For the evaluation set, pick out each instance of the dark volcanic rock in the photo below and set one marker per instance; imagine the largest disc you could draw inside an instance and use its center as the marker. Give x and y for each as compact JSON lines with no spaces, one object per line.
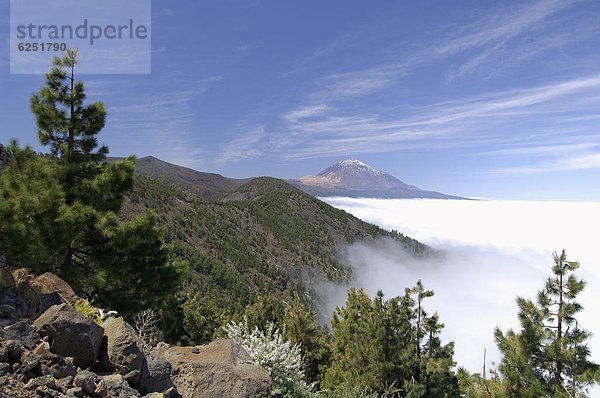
{"x":156,"y":376}
{"x":30,"y":297}
{"x":57,"y":366}
{"x":46,"y":381}
{"x":71,"y":334}
{"x":115,"y":386}
{"x":121,"y":349}
{"x":87,"y":381}
{"x":12,"y":307}
{"x":22,"y":331}
{"x":11,"y":350}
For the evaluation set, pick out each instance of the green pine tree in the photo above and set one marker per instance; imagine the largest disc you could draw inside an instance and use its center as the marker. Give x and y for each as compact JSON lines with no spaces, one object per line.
{"x":59,"y":211}
{"x":265,"y":309}
{"x":378,"y":344}
{"x":476,"y":386}
{"x":69,"y":127}
{"x":34,"y":219}
{"x":432,"y":362}
{"x":549,"y":356}
{"x":301,"y":328}
{"x":358,"y":345}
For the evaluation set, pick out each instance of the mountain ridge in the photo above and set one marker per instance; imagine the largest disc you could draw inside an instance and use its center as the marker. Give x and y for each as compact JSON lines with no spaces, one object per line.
{"x":350,"y":177}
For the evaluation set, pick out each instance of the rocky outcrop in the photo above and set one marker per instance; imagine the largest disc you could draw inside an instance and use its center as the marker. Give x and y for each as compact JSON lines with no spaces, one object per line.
{"x":39,"y":373}
{"x":7,"y":281}
{"x":28,"y":295}
{"x":220,"y":369}
{"x":71,"y":334}
{"x":121,"y":349}
{"x":26,"y":373}
{"x":64,"y":354}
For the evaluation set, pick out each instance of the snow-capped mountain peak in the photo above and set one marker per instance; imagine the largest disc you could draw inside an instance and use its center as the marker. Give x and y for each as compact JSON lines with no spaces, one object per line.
{"x":355,"y":166}
{"x":353,"y":174}
{"x":351,"y":177}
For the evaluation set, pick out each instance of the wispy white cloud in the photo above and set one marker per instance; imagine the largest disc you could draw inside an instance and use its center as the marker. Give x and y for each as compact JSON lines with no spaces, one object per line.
{"x":161,"y":121}
{"x":245,"y":146}
{"x":543,"y":150}
{"x":358,"y":83}
{"x":503,"y":25}
{"x":567,"y":162}
{"x":498,"y":40}
{"x":322,"y":52}
{"x":318,"y":131}
{"x":506,"y":36}
{"x":306,"y":112}
{"x":328,"y":121}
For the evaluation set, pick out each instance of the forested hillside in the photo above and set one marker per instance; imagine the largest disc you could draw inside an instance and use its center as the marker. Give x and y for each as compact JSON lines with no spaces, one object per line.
{"x":265,"y":238}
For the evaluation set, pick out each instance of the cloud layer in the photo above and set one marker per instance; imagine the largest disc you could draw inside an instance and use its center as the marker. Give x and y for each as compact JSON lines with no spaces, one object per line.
{"x":493,"y":251}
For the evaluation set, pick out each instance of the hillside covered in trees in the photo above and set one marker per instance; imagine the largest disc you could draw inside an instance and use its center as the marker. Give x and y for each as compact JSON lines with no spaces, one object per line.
{"x":264,"y":238}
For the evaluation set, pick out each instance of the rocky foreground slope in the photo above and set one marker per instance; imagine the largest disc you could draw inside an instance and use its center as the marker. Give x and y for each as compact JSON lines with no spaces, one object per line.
{"x":49,"y":349}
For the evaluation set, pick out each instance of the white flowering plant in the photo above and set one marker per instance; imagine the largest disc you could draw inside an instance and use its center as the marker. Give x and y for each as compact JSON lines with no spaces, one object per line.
{"x":280,"y":358}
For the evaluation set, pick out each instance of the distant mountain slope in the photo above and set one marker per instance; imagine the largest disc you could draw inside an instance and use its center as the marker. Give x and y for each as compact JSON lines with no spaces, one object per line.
{"x":353,"y":178}
{"x":205,"y":185}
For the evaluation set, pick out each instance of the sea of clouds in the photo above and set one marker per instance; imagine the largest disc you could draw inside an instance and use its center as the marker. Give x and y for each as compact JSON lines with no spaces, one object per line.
{"x":492,"y":252}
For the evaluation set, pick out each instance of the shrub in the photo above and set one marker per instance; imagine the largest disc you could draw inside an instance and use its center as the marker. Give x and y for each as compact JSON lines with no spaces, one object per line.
{"x":279,"y":357}
{"x":86,"y":308}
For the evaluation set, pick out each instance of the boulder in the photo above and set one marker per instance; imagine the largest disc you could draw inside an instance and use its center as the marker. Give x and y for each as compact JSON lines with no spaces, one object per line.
{"x":121,"y":350}
{"x":115,"y":386}
{"x":74,"y":392}
{"x":21,"y":275}
{"x":8,"y":312}
{"x":155,"y":377}
{"x":87,"y":381}
{"x":71,"y":334}
{"x":220,"y":369}
{"x":52,"y":290}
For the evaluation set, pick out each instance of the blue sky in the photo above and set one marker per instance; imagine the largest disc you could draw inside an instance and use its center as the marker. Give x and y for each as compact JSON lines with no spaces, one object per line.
{"x":487,"y":99}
